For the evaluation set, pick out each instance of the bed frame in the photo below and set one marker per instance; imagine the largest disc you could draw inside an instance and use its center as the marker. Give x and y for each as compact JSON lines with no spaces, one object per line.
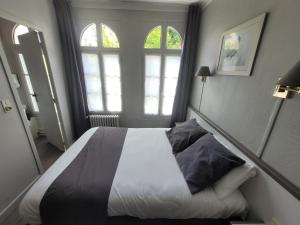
{"x":126,"y":220}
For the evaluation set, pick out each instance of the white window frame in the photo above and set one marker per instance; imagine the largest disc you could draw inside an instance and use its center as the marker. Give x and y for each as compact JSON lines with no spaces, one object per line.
{"x":163,"y":52}
{"x":99,"y":50}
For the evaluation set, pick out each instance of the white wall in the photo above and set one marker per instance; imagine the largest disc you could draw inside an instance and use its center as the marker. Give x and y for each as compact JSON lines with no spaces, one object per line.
{"x":39,"y":14}
{"x":131,"y":27}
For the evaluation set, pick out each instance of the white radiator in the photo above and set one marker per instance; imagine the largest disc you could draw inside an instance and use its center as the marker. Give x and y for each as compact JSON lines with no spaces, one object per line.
{"x":104,"y":120}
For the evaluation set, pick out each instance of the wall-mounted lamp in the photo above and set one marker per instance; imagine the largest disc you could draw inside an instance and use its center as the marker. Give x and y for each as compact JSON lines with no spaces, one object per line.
{"x":203,"y":72}
{"x":288,"y":83}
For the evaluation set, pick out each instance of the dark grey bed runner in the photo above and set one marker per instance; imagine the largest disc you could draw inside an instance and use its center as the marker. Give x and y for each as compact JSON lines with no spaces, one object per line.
{"x":79,"y":195}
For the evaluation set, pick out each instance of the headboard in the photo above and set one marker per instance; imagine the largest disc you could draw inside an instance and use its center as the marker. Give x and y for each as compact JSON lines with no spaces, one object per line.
{"x":268,"y":200}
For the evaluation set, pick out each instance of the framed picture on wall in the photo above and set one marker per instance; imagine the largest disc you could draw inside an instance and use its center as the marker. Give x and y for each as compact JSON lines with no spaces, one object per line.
{"x":239,"y":46}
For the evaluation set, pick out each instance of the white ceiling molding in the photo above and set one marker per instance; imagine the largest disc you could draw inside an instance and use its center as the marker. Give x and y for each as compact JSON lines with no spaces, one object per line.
{"x":206,"y":3}
{"x":143,"y":5}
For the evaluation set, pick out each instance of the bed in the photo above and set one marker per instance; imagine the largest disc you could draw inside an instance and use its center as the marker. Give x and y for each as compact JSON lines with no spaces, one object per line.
{"x":147,"y":183}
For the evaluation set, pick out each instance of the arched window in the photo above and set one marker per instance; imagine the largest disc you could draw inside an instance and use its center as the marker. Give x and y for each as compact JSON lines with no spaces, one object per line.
{"x":89,"y":36}
{"x":162,"y":61}
{"x":109,"y":38}
{"x":101,"y":63}
{"x":173,"y":38}
{"x":19,"y":30}
{"x":153,"y":39}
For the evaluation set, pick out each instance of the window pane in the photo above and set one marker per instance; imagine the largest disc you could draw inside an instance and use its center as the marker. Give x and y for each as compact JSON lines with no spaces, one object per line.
{"x":89,"y":36}
{"x":29,"y":86}
{"x":112,"y":82}
{"x":172,"y":64}
{"x":170,"y":87}
{"x":90,"y":64}
{"x":34,"y":104}
{"x":152,"y":87}
{"x":109,"y":37}
{"x":167,"y":105}
{"x":93,"y":84}
{"x":111,"y":65}
{"x":153,"y":39}
{"x":95,"y":102}
{"x":114,"y":103}
{"x":173,"y":39}
{"x":151,"y":105}
{"x":19,"y":30}
{"x":152,"y":82}
{"x":113,"y":85}
{"x":92,"y":81}
{"x":152,"y":65}
{"x":23,"y":65}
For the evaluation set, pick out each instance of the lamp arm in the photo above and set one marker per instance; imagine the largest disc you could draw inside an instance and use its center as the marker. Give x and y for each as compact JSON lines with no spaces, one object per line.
{"x":296,"y":89}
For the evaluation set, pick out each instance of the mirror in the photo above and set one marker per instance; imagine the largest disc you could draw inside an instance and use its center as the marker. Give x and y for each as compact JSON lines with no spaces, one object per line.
{"x":31,"y":76}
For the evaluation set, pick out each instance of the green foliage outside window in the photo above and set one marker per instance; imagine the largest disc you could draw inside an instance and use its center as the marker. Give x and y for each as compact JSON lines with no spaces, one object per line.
{"x":153,"y":39}
{"x":173,"y":39}
{"x":109,"y":38}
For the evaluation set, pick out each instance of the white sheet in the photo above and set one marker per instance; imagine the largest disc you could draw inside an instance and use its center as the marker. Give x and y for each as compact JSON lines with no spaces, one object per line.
{"x":148,"y":183}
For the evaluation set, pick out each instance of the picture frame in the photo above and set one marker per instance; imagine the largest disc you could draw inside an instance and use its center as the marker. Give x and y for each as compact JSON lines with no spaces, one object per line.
{"x":239,"y":46}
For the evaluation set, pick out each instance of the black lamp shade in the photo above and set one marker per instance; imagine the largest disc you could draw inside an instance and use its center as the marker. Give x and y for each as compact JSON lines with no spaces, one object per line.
{"x":292,"y":78}
{"x":203,"y":71}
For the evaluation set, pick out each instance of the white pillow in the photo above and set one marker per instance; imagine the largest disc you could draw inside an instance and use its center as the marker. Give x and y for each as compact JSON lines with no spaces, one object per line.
{"x":232,"y":180}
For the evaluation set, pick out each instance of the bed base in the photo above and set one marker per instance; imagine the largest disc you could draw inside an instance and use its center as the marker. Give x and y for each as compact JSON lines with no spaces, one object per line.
{"x":127,"y":220}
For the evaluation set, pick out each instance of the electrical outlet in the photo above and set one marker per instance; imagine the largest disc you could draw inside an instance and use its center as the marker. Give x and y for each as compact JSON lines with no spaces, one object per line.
{"x":274,"y":222}
{"x":6,"y":105}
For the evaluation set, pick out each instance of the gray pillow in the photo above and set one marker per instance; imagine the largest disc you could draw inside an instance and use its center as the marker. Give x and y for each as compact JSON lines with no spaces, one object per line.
{"x":182,"y":136}
{"x":191,"y":122}
{"x":205,"y":162}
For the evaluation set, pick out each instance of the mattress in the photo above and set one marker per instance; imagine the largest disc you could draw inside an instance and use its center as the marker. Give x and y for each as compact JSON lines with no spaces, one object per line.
{"x":148,"y":183}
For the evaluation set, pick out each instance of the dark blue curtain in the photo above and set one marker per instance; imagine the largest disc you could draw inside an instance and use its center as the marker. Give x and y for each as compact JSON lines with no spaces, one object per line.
{"x":73,"y":66}
{"x":187,"y":65}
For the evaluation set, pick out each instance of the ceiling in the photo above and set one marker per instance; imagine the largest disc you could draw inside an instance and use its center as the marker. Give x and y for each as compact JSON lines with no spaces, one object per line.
{"x":142,"y":1}
{"x":149,"y":5}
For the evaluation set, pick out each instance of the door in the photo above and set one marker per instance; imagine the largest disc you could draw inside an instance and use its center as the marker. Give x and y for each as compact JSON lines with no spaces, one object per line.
{"x":37,"y":67}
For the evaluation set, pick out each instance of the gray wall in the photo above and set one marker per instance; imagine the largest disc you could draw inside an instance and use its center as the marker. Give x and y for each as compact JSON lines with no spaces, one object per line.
{"x":39,"y":14}
{"x":242,"y":105}
{"x":131,"y":27}
{"x":268,"y":200}
{"x":17,"y":163}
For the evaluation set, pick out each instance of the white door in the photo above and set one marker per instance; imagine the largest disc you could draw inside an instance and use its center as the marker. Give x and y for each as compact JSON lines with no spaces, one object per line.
{"x":39,"y":75}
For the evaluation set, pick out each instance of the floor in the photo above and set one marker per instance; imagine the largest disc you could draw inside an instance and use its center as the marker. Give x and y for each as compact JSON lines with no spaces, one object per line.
{"x":48,"y":153}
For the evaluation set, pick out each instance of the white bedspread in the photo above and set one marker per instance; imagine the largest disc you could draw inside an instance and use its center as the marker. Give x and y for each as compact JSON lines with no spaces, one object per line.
{"x":148,"y":183}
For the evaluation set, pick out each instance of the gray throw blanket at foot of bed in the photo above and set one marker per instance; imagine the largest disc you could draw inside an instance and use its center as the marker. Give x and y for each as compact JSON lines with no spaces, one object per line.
{"x":79,"y":195}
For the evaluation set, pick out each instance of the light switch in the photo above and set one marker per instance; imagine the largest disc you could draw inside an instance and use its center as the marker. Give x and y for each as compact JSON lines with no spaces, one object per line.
{"x":6,"y":105}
